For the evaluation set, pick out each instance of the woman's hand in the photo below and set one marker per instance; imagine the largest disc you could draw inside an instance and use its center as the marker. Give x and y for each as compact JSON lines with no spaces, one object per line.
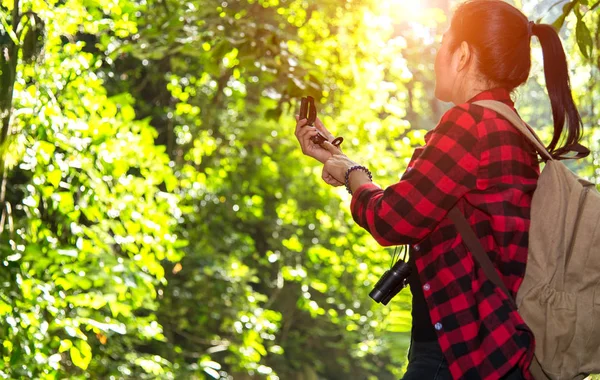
{"x":328,"y":178}
{"x":336,"y":166}
{"x":304,"y":133}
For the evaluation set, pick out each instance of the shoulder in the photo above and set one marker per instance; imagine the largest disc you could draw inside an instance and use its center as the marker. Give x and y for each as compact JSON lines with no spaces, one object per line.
{"x":473,"y":128}
{"x":458,"y":124}
{"x":470,"y":114}
{"x":459,"y":115}
{"x":465,"y":114}
{"x":494,"y":132}
{"x":477,"y":120}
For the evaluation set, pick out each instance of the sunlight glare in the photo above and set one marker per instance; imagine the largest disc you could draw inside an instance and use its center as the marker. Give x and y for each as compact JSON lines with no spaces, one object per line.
{"x":415,"y":15}
{"x":403,"y":10}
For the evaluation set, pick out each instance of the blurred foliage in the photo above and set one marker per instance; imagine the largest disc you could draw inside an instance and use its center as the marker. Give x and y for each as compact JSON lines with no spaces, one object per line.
{"x":158,"y":219}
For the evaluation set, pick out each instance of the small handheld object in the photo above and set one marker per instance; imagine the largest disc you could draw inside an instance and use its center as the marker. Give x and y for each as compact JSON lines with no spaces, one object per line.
{"x":309,"y":111}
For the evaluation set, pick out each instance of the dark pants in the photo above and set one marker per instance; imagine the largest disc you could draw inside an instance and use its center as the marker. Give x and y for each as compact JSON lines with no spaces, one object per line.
{"x":426,"y":362}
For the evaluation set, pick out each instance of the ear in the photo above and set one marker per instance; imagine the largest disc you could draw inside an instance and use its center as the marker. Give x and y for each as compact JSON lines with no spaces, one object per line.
{"x":464,"y":56}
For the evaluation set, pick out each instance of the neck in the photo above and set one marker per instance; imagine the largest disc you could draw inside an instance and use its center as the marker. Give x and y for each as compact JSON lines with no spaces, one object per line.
{"x":464,"y":96}
{"x":471,"y":86}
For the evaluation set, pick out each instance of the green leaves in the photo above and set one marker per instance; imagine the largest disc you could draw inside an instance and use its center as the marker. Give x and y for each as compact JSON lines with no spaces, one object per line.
{"x":164,"y":223}
{"x":94,"y":213}
{"x":583,"y":35}
{"x":567,"y":8}
{"x":584,"y":39}
{"x":81,"y":354}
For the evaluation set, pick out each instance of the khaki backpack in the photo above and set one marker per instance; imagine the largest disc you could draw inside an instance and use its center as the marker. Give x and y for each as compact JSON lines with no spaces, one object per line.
{"x":559,"y":298}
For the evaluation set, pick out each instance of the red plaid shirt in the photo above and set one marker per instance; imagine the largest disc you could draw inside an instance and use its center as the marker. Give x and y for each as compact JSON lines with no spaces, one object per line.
{"x":478,"y":160}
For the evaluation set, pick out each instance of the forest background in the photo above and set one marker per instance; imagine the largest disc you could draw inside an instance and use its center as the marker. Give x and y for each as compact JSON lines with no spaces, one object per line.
{"x":158,"y":219}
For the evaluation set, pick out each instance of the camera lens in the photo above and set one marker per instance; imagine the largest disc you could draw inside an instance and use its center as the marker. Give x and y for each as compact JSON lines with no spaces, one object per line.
{"x":391,"y":283}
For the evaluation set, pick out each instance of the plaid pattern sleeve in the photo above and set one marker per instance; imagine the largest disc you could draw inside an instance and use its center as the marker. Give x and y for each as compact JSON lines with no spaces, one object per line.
{"x":444,"y":171}
{"x":477,"y":160}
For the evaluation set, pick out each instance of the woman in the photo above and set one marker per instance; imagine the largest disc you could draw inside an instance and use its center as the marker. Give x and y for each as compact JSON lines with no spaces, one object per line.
{"x":463,"y":326}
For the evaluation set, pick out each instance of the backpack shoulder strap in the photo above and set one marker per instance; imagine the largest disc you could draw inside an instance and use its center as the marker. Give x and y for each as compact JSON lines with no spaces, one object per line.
{"x":477,"y":250}
{"x":515,"y":120}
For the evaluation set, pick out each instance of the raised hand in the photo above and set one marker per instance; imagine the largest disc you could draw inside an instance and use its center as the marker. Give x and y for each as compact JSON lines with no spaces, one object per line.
{"x":304,"y":133}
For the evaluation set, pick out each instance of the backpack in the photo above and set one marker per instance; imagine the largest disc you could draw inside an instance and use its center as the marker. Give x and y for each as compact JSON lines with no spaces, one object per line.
{"x":559,"y":298}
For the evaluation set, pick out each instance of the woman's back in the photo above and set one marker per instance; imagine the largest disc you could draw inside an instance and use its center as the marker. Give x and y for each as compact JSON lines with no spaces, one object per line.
{"x":479,"y":161}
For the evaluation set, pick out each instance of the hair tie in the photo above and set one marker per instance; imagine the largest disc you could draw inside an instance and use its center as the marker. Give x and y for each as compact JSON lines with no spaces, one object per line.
{"x":530,"y":28}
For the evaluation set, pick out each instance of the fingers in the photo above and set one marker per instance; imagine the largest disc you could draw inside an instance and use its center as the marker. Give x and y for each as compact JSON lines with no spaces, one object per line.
{"x":305,"y":134}
{"x":329,"y":179}
{"x":302,"y":130}
{"x":331,"y":148}
{"x":336,"y":183}
{"x":321,"y":127}
{"x":299,"y":125}
{"x":333,"y":182}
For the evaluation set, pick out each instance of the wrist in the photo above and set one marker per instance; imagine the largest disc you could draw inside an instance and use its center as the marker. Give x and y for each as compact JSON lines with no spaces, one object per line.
{"x":356,"y":176}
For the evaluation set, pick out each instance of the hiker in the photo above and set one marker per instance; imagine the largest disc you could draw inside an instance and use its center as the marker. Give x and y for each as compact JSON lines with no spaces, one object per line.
{"x":464,"y":326}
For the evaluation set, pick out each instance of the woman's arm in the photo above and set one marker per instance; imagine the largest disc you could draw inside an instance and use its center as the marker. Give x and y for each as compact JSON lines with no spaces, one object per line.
{"x":356,"y":179}
{"x":406,"y":212}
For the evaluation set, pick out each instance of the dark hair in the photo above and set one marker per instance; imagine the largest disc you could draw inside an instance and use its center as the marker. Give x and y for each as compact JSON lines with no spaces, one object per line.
{"x":500,"y":35}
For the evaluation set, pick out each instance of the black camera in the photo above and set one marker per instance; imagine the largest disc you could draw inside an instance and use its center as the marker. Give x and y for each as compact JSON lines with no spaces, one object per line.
{"x":392,"y":281}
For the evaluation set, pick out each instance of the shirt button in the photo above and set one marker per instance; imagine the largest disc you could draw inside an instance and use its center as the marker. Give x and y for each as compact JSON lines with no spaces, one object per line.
{"x":438,"y":326}
{"x":417,"y":247}
{"x":426,"y":287}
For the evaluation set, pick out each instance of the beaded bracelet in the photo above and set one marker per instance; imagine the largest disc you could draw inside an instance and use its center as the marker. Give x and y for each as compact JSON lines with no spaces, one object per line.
{"x":356,"y":167}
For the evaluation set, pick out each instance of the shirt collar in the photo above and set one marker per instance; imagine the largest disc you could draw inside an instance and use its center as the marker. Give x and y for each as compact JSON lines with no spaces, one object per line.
{"x":499,"y":93}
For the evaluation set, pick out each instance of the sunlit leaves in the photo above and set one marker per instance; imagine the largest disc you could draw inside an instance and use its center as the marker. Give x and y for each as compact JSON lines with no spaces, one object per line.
{"x":147,"y":130}
{"x":583,"y":35}
{"x":93,"y":221}
{"x":81,"y":354}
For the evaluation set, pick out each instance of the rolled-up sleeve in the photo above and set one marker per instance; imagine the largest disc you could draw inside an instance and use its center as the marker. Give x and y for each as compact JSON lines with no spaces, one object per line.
{"x":446,"y":169}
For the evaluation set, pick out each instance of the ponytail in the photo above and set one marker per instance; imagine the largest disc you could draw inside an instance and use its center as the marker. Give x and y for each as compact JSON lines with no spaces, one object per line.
{"x":559,"y":91}
{"x":500,"y":34}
